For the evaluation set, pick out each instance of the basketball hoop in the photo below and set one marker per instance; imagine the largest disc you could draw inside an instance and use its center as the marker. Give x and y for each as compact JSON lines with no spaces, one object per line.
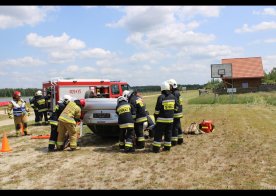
{"x":221,"y":75}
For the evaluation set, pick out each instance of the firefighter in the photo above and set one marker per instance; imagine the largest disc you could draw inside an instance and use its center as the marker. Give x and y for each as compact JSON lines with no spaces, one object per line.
{"x":42,"y":104}
{"x":18,"y":110}
{"x":126,"y":123}
{"x":140,"y":117}
{"x":67,"y":122}
{"x":37,"y":114}
{"x":48,"y":96}
{"x":177,"y":133}
{"x":164,"y":111}
{"x":54,"y":121}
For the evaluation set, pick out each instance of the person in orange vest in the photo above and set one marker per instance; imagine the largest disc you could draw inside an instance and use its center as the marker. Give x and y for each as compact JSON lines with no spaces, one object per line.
{"x":18,"y":110}
{"x":67,"y":122}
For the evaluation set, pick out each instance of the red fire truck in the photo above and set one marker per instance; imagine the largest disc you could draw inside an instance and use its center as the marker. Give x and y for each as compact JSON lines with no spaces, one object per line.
{"x":82,"y":88}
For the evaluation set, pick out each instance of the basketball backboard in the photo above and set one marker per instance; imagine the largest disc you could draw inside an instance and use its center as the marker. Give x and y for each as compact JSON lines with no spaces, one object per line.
{"x":221,"y":70}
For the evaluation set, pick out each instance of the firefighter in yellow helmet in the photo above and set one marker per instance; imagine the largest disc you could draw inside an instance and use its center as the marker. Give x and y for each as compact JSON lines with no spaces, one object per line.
{"x":18,"y":110}
{"x":67,"y":122}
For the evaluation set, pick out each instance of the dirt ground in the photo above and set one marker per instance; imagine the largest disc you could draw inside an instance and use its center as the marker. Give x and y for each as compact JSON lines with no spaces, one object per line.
{"x":239,"y":154}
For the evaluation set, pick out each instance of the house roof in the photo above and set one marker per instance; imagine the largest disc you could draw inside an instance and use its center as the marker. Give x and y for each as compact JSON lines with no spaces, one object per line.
{"x":250,"y":67}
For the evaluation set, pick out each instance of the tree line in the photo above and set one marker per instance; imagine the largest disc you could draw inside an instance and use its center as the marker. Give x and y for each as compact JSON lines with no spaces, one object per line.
{"x":27,"y":92}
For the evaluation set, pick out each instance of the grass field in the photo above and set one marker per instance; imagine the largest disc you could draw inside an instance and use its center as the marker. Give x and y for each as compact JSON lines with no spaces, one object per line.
{"x":239,"y":154}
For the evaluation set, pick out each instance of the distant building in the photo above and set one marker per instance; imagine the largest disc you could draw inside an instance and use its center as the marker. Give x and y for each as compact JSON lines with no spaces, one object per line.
{"x":247,"y":73}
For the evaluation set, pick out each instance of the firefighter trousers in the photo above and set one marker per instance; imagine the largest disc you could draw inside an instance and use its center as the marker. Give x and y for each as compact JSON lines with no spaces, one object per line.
{"x":160,"y":130}
{"x":63,"y":127}
{"x":45,"y":116}
{"x":139,"y":132}
{"x":53,"y":138}
{"x":177,"y":133}
{"x":18,"y":120}
{"x":38,"y":117}
{"x":126,"y":137}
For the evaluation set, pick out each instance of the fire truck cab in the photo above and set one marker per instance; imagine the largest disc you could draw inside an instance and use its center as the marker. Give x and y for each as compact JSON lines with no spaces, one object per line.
{"x":56,"y":88}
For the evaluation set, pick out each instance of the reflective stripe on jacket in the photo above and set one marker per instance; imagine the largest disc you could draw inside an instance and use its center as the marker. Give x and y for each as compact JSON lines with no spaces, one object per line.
{"x":165,"y":106}
{"x":18,"y":108}
{"x":123,"y":111}
{"x":139,"y":107}
{"x":178,"y":103}
{"x":71,"y":112}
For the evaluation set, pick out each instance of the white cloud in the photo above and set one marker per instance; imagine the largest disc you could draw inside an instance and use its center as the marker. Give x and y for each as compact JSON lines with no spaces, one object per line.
{"x":185,"y":12}
{"x":161,"y":26}
{"x":266,"y":11}
{"x":210,"y":52}
{"x":59,"y":56}
{"x":145,"y":18}
{"x":175,"y":37}
{"x":269,"y":41}
{"x":23,"y":62}
{"x":259,"y":27}
{"x":60,"y":49}
{"x":62,"y":42}
{"x":14,"y":16}
{"x":96,"y":53}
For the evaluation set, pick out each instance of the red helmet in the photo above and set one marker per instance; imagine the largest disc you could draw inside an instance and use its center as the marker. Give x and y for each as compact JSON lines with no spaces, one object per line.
{"x":16,"y":94}
{"x":82,"y":102}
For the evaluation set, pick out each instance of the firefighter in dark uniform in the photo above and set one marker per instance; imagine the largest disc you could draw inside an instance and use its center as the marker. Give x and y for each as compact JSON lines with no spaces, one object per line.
{"x":37,"y":114}
{"x":140,"y":118}
{"x":125,"y":111}
{"x":49,"y":100}
{"x":54,"y":121}
{"x":42,"y":104}
{"x":177,"y":133}
{"x":164,"y":111}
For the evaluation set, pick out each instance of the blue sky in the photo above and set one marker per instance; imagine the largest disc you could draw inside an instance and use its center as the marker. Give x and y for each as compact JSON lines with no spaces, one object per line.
{"x":143,"y":45}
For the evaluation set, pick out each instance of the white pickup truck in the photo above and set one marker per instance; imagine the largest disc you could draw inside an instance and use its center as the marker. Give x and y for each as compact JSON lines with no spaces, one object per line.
{"x":100,"y":116}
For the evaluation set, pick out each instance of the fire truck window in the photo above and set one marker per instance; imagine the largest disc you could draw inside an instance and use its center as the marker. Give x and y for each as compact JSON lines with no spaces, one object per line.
{"x":115,"y":89}
{"x":125,"y":87}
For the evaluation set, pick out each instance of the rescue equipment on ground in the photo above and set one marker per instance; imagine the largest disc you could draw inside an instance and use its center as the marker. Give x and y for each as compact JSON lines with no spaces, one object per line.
{"x":41,"y":136}
{"x":206,"y":126}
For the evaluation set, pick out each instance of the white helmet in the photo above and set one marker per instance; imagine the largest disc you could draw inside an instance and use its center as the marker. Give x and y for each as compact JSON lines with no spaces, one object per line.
{"x":127,"y":93}
{"x":165,"y":86}
{"x":121,"y":98}
{"x":173,"y":83}
{"x":39,"y":93}
{"x":66,"y":98}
